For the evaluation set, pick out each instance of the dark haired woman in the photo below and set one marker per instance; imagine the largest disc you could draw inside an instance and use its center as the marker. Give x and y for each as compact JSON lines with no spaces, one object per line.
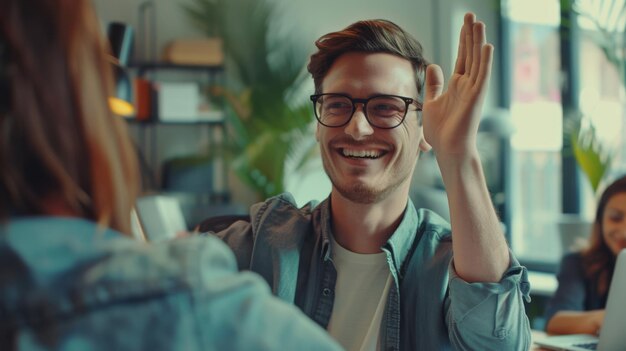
{"x":585,"y":276}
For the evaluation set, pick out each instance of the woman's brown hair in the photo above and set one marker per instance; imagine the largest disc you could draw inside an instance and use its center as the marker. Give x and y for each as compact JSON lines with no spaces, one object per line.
{"x":59,"y":141}
{"x":598,"y":259}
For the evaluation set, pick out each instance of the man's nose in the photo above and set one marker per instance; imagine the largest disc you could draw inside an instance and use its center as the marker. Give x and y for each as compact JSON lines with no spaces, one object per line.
{"x":359,"y":127}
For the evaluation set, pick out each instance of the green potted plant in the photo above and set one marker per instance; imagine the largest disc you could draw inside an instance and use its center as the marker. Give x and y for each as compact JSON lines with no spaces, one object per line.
{"x":265,"y":73}
{"x":592,"y":154}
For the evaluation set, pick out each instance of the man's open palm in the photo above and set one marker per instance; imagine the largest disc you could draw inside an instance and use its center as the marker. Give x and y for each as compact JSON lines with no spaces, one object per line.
{"x":451,"y":119}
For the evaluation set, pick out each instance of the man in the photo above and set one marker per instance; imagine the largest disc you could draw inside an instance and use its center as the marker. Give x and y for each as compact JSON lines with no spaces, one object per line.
{"x":71,"y":276}
{"x":365,"y":264}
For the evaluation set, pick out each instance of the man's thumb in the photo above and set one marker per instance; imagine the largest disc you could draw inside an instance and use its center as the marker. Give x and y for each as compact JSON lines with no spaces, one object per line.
{"x":434,"y":82}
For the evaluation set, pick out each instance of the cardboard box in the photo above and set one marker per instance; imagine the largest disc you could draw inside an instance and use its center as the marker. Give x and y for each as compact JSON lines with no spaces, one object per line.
{"x":206,"y":52}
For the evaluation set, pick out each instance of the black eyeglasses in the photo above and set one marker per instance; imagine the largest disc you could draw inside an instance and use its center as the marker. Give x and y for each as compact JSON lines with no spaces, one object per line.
{"x":381,"y":111}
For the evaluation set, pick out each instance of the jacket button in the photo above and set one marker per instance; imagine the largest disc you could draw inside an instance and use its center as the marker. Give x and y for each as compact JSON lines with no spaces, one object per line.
{"x":326,"y":292}
{"x":501,"y":333}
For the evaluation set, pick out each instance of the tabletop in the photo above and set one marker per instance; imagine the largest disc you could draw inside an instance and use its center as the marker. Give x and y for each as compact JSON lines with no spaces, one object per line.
{"x":537,"y":334}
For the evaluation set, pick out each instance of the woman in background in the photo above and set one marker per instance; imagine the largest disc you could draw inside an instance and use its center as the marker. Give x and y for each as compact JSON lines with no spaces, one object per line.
{"x":71,"y":278}
{"x":585,"y":276}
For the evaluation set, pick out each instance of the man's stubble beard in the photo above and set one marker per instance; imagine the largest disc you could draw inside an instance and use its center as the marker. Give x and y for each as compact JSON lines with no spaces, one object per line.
{"x":361,"y":193}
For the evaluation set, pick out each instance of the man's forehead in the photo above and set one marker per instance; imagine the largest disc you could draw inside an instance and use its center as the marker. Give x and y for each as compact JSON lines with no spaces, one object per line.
{"x":361,"y":70}
{"x":371,"y":58}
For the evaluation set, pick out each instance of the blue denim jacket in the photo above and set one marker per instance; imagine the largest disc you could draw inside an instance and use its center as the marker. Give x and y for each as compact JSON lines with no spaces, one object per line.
{"x":428,"y":308}
{"x":66,"y":284}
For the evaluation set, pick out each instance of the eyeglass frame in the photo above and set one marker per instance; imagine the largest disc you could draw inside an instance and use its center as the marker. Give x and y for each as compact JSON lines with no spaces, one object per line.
{"x":407,"y":100}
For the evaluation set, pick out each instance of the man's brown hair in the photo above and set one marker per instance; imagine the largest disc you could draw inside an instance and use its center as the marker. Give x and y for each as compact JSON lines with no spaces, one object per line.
{"x":370,"y":36}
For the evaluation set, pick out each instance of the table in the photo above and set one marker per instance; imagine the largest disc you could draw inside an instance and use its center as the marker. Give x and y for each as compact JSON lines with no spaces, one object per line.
{"x":537,"y":334}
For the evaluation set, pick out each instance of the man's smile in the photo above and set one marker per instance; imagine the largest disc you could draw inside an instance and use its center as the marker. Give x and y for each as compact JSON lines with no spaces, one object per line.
{"x":362,"y":153}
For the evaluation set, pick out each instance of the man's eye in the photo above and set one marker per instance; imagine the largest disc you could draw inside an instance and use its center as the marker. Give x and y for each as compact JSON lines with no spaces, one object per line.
{"x":386,"y":110}
{"x":385,"y":107}
{"x":338,"y":104}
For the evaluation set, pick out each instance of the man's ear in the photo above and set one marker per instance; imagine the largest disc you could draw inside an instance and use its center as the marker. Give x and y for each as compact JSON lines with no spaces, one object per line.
{"x":423,"y":145}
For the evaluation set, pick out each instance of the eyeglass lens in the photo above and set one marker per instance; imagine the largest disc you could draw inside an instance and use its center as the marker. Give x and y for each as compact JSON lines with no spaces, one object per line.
{"x":381,"y":111}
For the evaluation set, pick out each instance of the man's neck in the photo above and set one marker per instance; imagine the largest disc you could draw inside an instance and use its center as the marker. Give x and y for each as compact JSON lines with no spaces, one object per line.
{"x":365,"y":228}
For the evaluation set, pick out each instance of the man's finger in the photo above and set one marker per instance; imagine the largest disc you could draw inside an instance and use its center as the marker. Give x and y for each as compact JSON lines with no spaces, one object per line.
{"x":468,"y":26}
{"x":459,"y":67}
{"x":485,"y":65}
{"x":480,"y":39}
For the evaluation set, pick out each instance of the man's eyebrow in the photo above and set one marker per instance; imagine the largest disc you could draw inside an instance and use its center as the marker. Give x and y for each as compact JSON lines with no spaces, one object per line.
{"x":368,"y":96}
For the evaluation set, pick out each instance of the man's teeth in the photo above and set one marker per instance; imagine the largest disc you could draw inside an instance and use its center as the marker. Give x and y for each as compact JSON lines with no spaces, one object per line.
{"x":361,"y":153}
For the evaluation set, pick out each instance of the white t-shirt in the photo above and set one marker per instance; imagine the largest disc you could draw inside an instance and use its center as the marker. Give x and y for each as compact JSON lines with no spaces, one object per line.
{"x":361,"y":290}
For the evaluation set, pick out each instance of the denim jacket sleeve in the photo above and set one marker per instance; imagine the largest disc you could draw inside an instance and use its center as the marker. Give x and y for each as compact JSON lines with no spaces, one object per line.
{"x":238,"y":310}
{"x":489,"y":316}
{"x":70,"y":284}
{"x":240,"y":238}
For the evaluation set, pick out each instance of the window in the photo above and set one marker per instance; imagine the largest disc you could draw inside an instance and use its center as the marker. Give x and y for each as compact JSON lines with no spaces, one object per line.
{"x":534,"y":78}
{"x":601,"y":98}
{"x":536,"y":115}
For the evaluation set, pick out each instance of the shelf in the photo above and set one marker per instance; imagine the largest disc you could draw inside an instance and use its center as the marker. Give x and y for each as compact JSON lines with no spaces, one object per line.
{"x":148,"y":66}
{"x":210,"y":117}
{"x":176,"y":123}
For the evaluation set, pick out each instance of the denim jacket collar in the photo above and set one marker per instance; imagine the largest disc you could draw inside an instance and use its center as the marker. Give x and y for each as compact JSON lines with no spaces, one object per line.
{"x":326,"y":232}
{"x":399,"y":244}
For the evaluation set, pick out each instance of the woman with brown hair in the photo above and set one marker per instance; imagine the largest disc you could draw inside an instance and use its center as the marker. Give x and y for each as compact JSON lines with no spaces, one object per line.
{"x":71,"y":276}
{"x":62,"y":152}
{"x":584,"y":278}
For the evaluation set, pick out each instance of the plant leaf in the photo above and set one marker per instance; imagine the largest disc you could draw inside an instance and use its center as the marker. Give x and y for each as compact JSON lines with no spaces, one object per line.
{"x":267,"y":121}
{"x":593,"y":158}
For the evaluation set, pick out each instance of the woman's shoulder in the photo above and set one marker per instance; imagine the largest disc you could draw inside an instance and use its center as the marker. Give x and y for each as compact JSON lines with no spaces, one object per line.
{"x":572,"y":264}
{"x":572,"y":257}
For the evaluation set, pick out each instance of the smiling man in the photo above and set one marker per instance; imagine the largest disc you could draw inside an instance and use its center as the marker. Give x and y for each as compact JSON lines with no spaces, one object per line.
{"x":365,"y":264}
